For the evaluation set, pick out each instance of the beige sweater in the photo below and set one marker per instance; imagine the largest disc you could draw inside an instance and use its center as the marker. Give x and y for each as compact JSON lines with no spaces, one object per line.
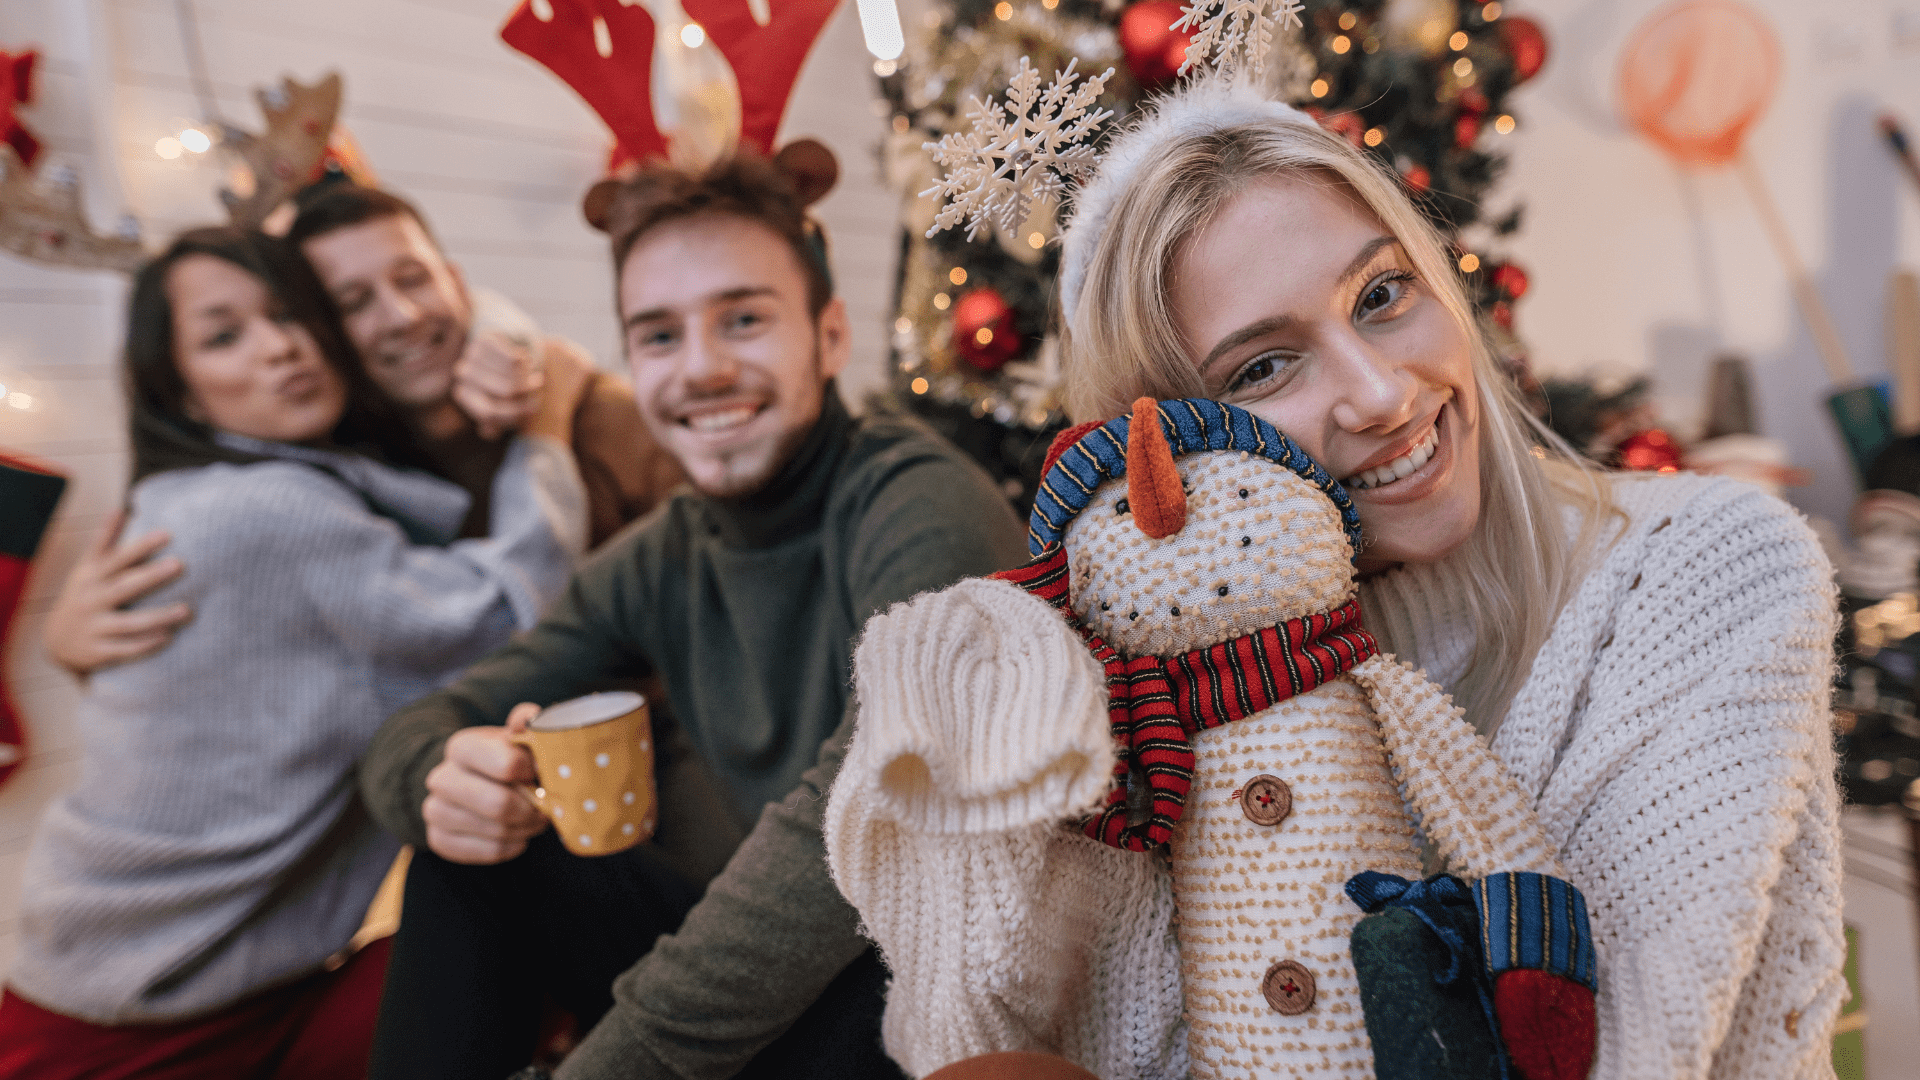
{"x":1673,"y":735}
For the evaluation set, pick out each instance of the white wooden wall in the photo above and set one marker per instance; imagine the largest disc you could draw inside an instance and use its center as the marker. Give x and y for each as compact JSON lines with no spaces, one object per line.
{"x":493,"y":148}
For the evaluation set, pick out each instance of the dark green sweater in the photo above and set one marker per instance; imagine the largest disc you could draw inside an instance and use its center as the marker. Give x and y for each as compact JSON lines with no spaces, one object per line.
{"x":749,"y":609}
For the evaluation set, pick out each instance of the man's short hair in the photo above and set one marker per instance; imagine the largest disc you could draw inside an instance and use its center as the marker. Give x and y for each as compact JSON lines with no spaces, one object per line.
{"x":745,"y":186}
{"x":326,"y":207}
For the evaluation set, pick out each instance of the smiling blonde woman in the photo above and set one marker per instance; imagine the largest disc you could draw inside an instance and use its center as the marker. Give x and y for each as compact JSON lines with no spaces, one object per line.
{"x":1649,"y":656}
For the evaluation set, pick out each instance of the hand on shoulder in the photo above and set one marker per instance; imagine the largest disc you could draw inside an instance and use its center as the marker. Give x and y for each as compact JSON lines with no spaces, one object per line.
{"x":88,"y":627}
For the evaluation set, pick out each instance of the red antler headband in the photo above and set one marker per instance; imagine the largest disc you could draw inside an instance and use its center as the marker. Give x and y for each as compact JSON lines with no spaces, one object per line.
{"x":606,"y":51}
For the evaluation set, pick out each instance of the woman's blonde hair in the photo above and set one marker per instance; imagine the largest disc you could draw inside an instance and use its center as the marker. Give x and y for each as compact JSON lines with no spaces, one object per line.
{"x":1524,"y":557}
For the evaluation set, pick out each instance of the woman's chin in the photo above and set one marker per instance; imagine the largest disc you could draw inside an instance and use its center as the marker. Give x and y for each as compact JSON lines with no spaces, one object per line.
{"x":1426,"y":535}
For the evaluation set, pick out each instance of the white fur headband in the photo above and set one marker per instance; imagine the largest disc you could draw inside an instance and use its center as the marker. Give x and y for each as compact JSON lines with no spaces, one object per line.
{"x":1200,"y":108}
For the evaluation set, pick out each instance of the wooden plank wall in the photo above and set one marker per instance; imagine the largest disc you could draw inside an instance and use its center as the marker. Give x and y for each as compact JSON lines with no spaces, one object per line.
{"x":494,"y":149}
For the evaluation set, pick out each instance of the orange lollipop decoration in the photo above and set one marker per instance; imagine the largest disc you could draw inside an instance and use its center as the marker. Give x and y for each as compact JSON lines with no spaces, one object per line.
{"x":1694,"y":78}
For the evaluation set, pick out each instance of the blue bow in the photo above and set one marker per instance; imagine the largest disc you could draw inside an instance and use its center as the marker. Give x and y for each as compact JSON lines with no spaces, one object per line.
{"x":1429,"y":900}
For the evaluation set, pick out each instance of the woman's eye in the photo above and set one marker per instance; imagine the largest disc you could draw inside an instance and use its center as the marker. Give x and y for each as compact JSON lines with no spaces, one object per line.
{"x":222,"y":339}
{"x":1258,"y":370}
{"x":1385,"y":292}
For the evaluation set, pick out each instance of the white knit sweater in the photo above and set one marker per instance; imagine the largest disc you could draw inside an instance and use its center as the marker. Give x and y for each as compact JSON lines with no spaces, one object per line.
{"x":1675,"y":735}
{"x":1673,"y":732}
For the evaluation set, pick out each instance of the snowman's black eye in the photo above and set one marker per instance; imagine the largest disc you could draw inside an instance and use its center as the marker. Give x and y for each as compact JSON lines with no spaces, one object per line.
{"x":1246,"y":541}
{"x":1243,"y":493}
{"x":1120,"y":507}
{"x":1104,"y":606}
{"x":1133,"y":614}
{"x":1176,"y":611}
{"x":1223,"y":590}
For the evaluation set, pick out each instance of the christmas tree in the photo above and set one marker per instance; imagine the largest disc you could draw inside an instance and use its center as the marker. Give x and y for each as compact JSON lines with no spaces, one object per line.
{"x":1420,"y":84}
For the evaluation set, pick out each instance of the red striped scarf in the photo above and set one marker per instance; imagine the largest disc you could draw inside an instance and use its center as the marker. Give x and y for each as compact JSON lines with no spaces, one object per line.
{"x":1156,"y":704}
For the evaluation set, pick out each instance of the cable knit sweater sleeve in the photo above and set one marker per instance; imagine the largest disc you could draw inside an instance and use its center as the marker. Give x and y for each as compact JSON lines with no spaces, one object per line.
{"x":1675,"y":731}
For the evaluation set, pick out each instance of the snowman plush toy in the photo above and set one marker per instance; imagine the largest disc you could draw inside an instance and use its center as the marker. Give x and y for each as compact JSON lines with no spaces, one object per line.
{"x":1132,"y":803}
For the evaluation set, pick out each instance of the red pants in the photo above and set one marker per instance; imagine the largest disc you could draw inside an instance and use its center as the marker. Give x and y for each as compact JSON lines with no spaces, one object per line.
{"x":320,"y":1028}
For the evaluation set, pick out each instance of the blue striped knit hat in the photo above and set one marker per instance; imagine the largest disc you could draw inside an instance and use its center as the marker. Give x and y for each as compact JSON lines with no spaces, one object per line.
{"x":1092,"y":454}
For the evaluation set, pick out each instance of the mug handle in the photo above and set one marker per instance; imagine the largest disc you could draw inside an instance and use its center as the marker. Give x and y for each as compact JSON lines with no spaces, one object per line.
{"x":535,"y":793}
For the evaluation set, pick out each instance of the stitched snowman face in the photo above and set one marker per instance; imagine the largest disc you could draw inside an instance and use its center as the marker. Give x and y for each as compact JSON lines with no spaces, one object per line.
{"x":1260,"y":546}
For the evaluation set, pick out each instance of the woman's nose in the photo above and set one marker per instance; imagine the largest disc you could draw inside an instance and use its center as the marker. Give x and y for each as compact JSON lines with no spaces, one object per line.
{"x":1374,"y":393}
{"x":277,"y":345}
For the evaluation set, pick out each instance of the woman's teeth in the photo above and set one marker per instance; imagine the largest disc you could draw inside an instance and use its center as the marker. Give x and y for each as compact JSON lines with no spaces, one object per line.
{"x":1398,"y":468}
{"x":720,"y":421}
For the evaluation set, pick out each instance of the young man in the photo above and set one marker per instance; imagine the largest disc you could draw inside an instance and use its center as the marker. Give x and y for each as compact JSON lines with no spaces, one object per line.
{"x":464,"y":386}
{"x":746,"y":596}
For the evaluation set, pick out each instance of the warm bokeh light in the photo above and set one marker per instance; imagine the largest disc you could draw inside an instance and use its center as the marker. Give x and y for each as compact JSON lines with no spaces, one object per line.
{"x":902,"y":325}
{"x":1469,"y":263}
{"x":1036,"y":241}
{"x":1348,"y":20}
{"x":941,"y":300}
{"x":169,"y":148}
{"x":957,"y":275}
{"x":1374,"y":137}
{"x":884,"y":68}
{"x":1319,"y":88}
{"x":195,"y":140}
{"x":693,"y":35}
{"x":1503,"y":124}
{"x":1341,"y":43}
{"x":1003,"y":11}
{"x":1490,"y":12}
{"x":1458,"y":41}
{"x":983,"y":336}
{"x":1463,"y":67}
{"x":919,"y":386}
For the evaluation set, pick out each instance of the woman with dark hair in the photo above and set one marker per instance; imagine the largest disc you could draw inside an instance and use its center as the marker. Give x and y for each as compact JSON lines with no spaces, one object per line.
{"x":188,"y":907}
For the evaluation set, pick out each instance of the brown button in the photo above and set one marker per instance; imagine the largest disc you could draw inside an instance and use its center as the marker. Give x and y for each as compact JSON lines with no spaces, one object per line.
{"x":1266,"y":800}
{"x":1288,"y":987}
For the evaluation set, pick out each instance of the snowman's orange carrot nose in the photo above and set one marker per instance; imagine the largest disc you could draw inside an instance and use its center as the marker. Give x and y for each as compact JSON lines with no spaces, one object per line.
{"x":1153,"y":484}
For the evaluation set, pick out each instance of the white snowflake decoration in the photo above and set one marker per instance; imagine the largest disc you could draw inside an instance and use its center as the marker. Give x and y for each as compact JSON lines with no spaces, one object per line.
{"x":1237,"y":33}
{"x":1017,"y":151}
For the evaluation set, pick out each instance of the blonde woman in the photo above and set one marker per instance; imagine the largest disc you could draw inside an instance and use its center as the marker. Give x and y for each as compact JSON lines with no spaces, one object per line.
{"x":1648,"y":655}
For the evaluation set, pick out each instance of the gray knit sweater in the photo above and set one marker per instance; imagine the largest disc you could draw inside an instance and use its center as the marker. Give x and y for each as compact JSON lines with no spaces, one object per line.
{"x":215,"y":844}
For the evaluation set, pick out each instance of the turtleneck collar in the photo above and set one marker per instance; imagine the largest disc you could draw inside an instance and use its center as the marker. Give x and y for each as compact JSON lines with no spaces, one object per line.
{"x":794,"y":500}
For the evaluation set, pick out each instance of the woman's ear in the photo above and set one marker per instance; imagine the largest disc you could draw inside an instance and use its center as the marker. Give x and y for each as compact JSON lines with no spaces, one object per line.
{"x":811,"y":166}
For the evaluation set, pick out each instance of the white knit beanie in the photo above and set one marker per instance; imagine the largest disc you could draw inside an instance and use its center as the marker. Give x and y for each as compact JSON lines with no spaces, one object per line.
{"x":1198,"y":108}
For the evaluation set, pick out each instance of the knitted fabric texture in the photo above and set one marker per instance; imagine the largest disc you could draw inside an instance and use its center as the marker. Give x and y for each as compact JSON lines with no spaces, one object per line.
{"x":993,"y":942}
{"x":1675,"y":739}
{"x":1191,"y":425}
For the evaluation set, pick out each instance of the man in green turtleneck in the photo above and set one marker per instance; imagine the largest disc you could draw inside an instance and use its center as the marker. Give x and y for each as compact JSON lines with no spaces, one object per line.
{"x":745,"y":596}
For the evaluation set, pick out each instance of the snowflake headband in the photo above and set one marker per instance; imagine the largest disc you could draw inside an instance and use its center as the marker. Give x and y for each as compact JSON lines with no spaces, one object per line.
{"x":1198,"y":110}
{"x":1030,"y":145}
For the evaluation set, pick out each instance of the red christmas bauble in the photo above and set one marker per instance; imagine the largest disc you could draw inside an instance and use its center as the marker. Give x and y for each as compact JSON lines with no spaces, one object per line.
{"x":1526,"y":43}
{"x":1466,"y":128}
{"x":1473,"y":101}
{"x":983,"y":330}
{"x":1418,"y":178}
{"x":1652,"y":450}
{"x":1154,"y":50}
{"x":1503,"y":314}
{"x":1346,"y":124}
{"x":1511,"y":280}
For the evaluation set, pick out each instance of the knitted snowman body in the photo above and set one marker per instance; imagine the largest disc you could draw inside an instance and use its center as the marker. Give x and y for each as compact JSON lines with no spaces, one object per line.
{"x":1287,"y":803}
{"x":1264,"y":756}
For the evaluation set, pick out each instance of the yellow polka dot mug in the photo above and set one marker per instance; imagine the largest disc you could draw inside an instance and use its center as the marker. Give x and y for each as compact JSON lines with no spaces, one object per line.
{"x":594,"y":757}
